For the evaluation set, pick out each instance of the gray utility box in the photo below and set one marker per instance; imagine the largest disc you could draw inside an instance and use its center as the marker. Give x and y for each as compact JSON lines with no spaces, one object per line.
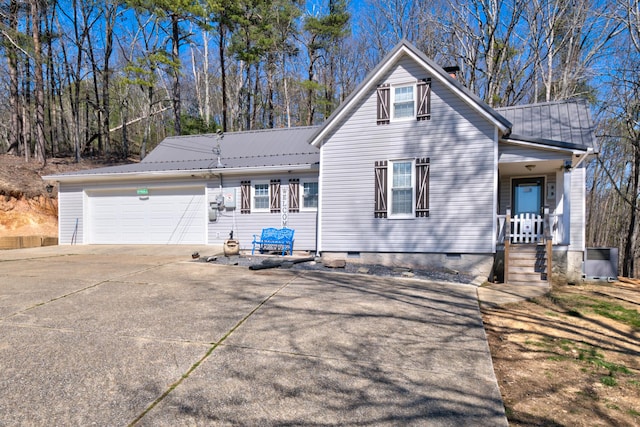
{"x":601,"y":263}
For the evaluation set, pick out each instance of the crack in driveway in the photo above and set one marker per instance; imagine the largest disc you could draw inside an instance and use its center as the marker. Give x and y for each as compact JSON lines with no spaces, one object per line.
{"x":210,"y":351}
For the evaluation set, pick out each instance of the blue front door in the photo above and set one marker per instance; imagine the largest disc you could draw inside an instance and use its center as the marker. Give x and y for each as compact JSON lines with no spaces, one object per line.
{"x":527,"y":196}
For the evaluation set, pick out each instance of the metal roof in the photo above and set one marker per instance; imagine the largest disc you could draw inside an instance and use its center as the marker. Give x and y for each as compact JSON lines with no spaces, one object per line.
{"x":251,"y":149}
{"x":552,"y":123}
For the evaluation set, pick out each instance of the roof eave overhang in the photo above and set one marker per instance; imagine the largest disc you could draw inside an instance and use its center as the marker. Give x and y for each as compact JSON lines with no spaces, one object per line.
{"x":316,"y":139}
{"x":548,"y":145}
{"x":176,"y":174}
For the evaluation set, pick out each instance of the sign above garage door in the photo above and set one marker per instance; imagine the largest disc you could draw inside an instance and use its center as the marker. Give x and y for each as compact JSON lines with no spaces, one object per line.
{"x":164,"y":215}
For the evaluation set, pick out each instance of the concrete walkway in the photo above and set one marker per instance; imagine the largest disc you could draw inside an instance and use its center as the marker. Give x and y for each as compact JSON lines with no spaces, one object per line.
{"x":109,"y":335}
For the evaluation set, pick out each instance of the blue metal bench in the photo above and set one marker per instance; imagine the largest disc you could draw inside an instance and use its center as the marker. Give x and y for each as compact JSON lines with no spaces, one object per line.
{"x":274,"y":239}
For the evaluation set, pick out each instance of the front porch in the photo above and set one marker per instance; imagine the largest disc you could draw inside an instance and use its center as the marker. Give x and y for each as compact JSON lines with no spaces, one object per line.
{"x":533,"y":219}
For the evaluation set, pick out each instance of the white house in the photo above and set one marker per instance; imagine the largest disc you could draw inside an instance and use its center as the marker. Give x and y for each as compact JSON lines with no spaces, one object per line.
{"x":411,"y":169}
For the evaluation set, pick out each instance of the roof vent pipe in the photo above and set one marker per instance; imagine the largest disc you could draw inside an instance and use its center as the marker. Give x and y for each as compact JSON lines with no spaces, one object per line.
{"x":217,"y":150}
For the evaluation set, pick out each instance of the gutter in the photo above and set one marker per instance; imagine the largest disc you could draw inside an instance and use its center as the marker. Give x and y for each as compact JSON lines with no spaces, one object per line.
{"x":189,"y":173}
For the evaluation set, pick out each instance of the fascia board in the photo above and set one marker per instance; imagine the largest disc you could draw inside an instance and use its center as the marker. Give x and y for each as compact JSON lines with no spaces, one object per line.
{"x":538,"y":146}
{"x":152,"y":175}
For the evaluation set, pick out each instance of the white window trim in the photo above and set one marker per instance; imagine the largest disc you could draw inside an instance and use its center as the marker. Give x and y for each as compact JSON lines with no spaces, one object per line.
{"x":392,"y":102}
{"x":301,"y":194}
{"x":253,"y":196}
{"x":390,"y":213}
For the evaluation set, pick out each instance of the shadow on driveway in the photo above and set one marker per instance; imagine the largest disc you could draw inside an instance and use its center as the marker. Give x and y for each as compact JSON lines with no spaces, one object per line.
{"x":114,"y":336}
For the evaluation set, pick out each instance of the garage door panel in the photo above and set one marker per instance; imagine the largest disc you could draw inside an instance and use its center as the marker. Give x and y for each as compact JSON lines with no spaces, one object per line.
{"x":169,"y":215}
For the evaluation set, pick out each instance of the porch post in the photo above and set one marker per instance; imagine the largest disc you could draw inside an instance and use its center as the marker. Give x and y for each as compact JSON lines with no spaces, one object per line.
{"x":548,"y":241}
{"x":507,"y":243}
{"x":566,"y":208}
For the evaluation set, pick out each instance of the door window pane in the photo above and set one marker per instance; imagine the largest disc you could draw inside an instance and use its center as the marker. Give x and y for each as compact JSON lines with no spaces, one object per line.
{"x":527,"y":197}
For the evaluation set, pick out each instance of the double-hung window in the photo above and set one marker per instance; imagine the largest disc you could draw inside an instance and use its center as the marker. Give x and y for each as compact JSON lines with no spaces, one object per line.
{"x":403,"y":102}
{"x":261,"y":197}
{"x":402,"y":191}
{"x":401,"y":188}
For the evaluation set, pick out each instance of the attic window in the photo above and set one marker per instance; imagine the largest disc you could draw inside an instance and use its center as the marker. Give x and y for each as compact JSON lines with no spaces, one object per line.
{"x":404,"y":102}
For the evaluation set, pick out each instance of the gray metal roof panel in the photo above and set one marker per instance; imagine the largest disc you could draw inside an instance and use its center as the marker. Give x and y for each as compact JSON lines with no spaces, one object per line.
{"x":564,"y":121}
{"x":251,"y":149}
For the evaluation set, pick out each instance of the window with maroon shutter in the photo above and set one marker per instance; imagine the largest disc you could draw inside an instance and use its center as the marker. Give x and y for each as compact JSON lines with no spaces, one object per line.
{"x":383,"y":185}
{"x":274,"y":192}
{"x":380,"y":210}
{"x":424,"y":99}
{"x":384,"y":101}
{"x":245,"y":197}
{"x":294,"y":195}
{"x":422,"y":187}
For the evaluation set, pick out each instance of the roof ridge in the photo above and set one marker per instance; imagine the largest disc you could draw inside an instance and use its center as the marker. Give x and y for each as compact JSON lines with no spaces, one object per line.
{"x":244,"y":132}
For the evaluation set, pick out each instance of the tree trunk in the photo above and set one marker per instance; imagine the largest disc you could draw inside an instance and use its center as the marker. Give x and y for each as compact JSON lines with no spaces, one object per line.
{"x":223,"y":76}
{"x":175,"y":35}
{"x":40,"y":145}
{"x":15,"y":130}
{"x":628,"y":263}
{"x":110,"y":17}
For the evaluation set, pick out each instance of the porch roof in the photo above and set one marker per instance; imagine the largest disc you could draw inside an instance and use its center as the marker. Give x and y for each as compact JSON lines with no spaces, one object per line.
{"x":561,"y":124}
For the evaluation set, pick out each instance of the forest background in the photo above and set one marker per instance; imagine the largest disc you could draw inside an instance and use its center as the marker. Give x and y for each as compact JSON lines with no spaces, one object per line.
{"x":109,"y":79}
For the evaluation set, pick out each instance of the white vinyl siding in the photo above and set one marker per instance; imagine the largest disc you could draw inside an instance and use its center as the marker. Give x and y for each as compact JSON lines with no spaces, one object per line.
{"x":578,"y":209}
{"x":70,"y":214}
{"x":460,"y":144}
{"x":246,"y":225}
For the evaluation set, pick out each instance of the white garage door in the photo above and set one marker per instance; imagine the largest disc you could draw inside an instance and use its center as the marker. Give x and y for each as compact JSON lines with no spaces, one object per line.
{"x":165,"y":215}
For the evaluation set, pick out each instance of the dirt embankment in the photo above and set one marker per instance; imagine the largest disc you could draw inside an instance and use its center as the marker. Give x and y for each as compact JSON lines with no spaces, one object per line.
{"x":26,"y":207}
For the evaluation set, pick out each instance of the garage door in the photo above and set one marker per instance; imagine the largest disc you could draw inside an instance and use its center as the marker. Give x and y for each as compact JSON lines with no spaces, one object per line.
{"x":162,"y":216}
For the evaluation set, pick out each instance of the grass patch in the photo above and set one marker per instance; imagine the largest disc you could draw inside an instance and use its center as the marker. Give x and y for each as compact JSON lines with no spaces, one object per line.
{"x":575,"y":305}
{"x":634,"y":413}
{"x":617,"y":312}
{"x":558,"y":358}
{"x":609,"y":381}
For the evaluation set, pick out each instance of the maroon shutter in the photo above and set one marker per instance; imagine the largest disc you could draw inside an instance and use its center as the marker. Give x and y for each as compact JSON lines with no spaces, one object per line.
{"x":380,"y":210}
{"x":245,"y":197}
{"x":422,"y":187}
{"x":424,"y":99}
{"x":294,"y":198}
{"x":274,"y":193}
{"x":384,"y":100}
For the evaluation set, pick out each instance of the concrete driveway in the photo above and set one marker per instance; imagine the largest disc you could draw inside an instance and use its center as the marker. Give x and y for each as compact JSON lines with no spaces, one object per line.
{"x":112,"y":335}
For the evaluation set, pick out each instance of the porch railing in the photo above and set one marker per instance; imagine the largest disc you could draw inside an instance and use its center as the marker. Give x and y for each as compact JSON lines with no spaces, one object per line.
{"x":529,"y":228}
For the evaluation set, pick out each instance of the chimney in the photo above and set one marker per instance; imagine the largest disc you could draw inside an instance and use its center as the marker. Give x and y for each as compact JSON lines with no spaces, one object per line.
{"x":453,"y":71}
